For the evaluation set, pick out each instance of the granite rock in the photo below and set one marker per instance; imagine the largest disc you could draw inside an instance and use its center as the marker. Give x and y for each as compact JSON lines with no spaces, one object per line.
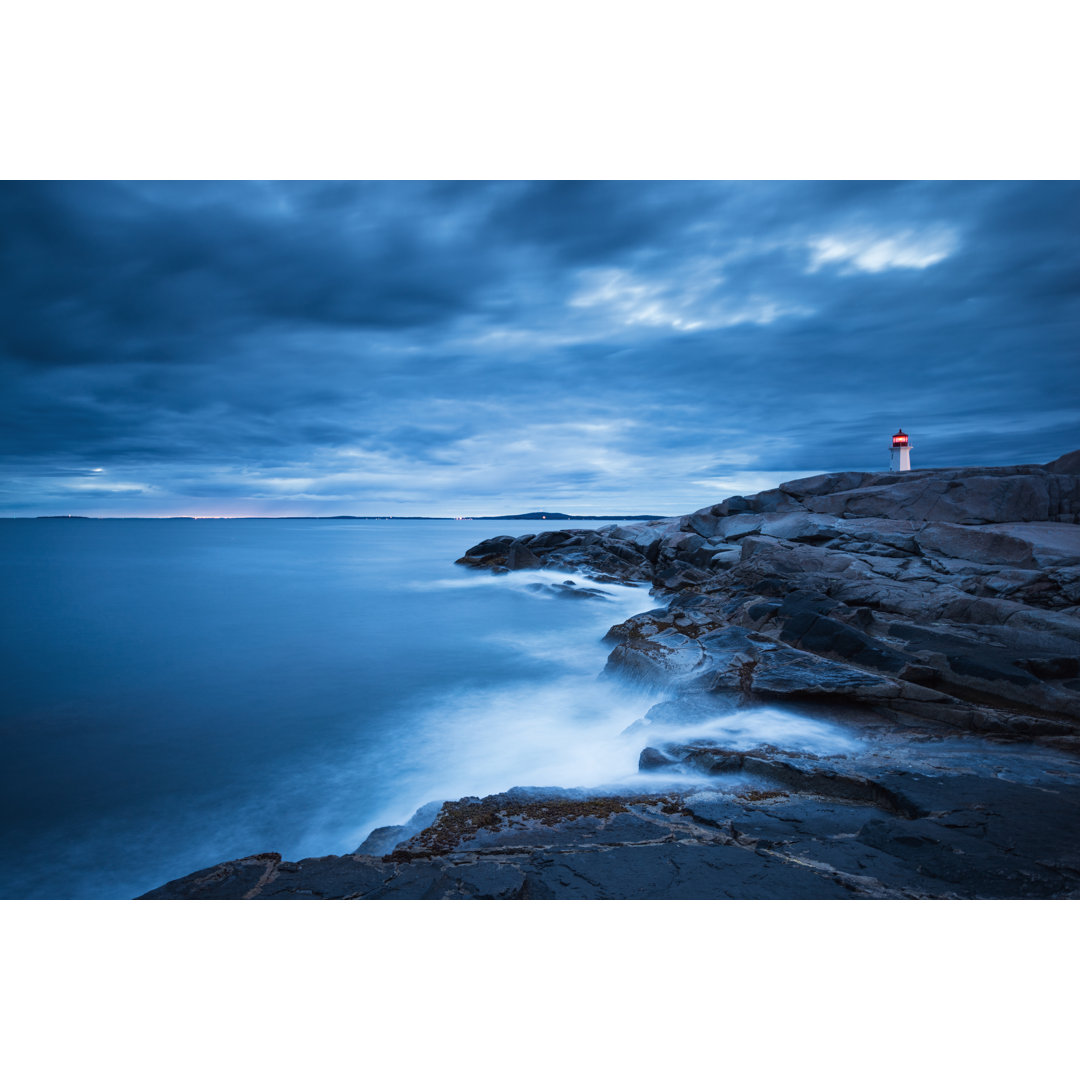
{"x":933,"y":616}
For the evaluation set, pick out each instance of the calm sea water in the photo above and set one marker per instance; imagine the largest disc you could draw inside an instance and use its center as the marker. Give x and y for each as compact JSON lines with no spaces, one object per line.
{"x":177,"y":693}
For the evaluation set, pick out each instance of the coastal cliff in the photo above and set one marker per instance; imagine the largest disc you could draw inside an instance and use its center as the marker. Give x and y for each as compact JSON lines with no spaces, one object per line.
{"x":934,"y":615}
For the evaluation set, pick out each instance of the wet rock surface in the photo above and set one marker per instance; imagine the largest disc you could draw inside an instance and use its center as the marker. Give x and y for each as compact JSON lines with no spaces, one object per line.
{"x":781,"y":827}
{"x":932,"y":616}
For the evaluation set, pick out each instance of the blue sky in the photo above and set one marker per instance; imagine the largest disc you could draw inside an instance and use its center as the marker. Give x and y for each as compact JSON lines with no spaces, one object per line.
{"x":471,"y":348}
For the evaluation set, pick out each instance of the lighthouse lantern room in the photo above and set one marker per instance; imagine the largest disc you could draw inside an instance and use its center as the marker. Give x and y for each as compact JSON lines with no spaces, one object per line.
{"x":900,"y":452}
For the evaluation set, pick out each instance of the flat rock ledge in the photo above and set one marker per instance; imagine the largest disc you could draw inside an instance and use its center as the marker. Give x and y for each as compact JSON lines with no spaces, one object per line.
{"x":932,"y":616}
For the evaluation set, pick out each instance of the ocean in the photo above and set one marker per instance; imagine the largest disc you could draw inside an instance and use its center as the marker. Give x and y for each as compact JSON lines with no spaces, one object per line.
{"x":177,"y":693}
{"x":181,"y":692}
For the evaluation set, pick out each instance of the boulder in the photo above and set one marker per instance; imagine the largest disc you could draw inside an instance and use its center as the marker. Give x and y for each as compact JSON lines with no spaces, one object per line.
{"x":520,"y":557}
{"x":976,"y":545}
{"x":1067,"y":463}
{"x":652,"y":759}
{"x":497,"y":545}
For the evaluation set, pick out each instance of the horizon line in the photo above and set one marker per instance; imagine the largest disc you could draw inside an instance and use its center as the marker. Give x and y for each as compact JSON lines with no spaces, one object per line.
{"x":536,"y":515}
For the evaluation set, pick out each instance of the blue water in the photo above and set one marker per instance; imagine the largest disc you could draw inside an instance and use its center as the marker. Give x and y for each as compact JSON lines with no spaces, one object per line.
{"x":177,"y":693}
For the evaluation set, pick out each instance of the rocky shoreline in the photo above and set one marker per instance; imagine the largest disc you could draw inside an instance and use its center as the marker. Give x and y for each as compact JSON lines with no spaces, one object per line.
{"x":932,"y":615}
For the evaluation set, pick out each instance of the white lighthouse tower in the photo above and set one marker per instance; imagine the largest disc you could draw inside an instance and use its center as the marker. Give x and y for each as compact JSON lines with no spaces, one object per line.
{"x":900,"y":453}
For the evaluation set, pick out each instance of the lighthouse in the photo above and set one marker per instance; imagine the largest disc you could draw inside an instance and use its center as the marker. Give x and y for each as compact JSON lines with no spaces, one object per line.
{"x":900,"y":453}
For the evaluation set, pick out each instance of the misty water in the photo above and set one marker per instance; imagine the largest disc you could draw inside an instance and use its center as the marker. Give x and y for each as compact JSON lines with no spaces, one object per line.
{"x":177,"y":693}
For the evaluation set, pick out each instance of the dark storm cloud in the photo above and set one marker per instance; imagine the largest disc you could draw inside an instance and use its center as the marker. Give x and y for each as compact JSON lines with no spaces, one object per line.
{"x":100,"y":273}
{"x":353,"y":347}
{"x":584,"y":222}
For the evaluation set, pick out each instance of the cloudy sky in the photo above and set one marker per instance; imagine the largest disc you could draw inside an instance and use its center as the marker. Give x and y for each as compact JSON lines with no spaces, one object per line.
{"x":467,"y":348}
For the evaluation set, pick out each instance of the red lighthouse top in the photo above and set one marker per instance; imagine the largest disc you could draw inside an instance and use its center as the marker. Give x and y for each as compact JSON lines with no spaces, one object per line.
{"x":900,"y":439}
